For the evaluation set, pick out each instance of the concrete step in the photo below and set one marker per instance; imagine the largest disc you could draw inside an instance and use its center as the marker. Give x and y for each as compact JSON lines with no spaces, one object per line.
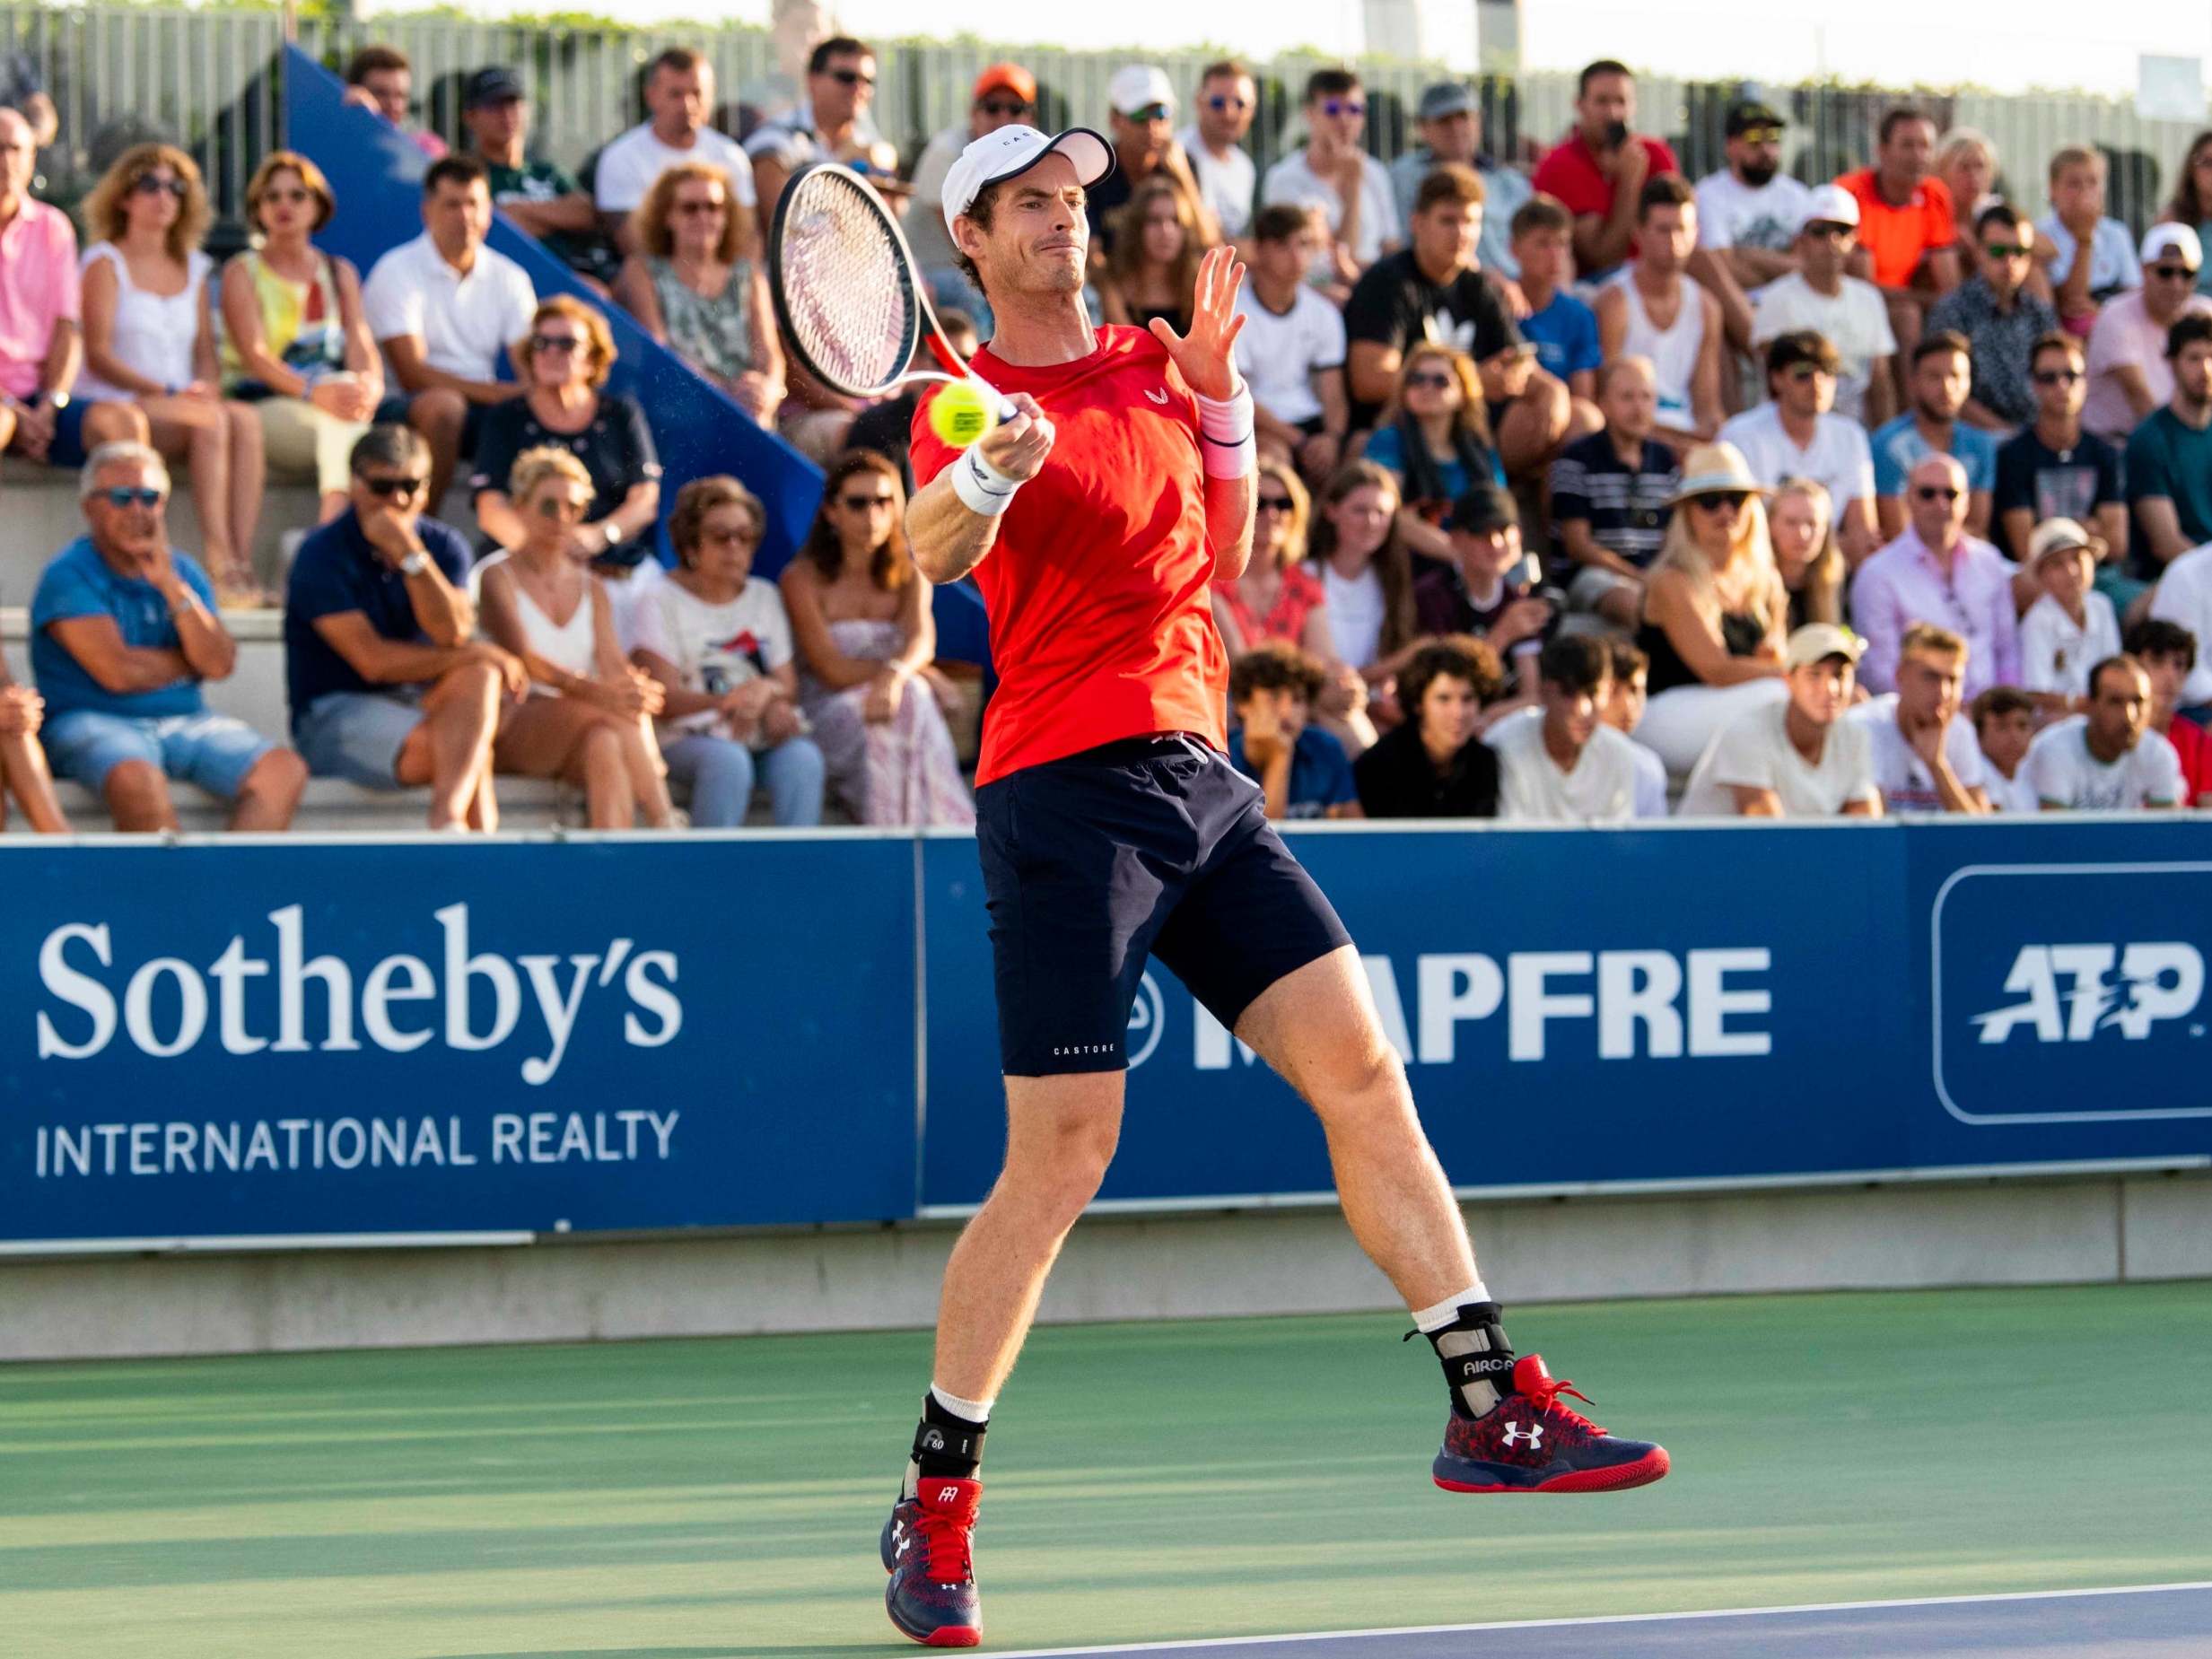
{"x":333,"y":807}
{"x":255,"y":692}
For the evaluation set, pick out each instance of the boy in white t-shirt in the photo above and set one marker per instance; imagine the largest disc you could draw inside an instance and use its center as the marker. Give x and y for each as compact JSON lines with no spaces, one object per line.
{"x":1799,"y":759}
{"x":2073,"y":626}
{"x":1334,"y":173}
{"x":1624,"y":707}
{"x":2108,"y":760}
{"x":2004,"y":721}
{"x":1925,"y":757}
{"x":1559,"y":763}
{"x":1292,"y":351}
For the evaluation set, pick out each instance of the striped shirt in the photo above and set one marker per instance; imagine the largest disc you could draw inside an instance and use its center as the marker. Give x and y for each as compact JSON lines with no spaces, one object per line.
{"x":1626,"y":510}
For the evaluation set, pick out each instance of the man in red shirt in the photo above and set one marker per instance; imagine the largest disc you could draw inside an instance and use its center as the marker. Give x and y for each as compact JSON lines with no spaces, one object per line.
{"x":1907,"y":234}
{"x":1600,"y":169}
{"x":1111,"y":827}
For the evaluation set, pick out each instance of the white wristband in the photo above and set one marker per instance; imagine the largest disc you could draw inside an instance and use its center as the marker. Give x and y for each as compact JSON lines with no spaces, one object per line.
{"x":1225,"y":434}
{"x":982,"y":489}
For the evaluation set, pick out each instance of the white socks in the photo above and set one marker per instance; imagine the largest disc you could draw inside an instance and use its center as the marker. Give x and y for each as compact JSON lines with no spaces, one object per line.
{"x":1431,"y":1319}
{"x":976,"y":1412}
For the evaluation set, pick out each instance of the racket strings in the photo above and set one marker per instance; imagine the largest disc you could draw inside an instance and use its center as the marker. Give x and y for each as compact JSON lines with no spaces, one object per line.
{"x":852,"y":316}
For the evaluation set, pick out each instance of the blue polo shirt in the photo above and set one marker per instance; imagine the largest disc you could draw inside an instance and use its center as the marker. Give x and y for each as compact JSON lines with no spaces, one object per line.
{"x":1565,"y":336}
{"x":336,"y":570}
{"x":79,"y":583}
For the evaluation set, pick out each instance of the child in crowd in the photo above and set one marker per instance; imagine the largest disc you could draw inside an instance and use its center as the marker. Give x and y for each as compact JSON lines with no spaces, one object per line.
{"x":2072,"y":627}
{"x":2004,"y":719}
{"x":1302,"y":771}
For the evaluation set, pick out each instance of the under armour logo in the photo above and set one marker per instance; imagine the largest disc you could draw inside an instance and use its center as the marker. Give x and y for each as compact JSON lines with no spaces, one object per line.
{"x":1533,"y":1433}
{"x":1159,"y":398}
{"x":932,"y":1442}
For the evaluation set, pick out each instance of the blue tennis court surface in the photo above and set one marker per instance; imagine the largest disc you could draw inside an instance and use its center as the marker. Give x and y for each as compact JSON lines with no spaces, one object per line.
{"x":2145,"y":1621}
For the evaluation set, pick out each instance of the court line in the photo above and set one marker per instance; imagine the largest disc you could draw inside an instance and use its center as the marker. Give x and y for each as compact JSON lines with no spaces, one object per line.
{"x":1605,"y":1619}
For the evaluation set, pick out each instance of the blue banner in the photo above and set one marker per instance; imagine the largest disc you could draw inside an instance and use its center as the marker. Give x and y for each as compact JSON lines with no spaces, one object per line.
{"x":431,"y":1037}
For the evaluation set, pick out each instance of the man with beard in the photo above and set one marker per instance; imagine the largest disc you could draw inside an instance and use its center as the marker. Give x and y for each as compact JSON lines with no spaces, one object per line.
{"x":1748,"y":215}
{"x":1942,"y":377}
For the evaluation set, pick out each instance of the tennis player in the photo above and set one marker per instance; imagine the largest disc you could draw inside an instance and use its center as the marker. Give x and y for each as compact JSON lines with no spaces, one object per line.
{"x":1112,"y":827}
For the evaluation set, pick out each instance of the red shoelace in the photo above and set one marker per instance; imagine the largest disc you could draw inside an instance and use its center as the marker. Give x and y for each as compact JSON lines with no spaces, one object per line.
{"x":946,"y":1540}
{"x":1544,"y":1396}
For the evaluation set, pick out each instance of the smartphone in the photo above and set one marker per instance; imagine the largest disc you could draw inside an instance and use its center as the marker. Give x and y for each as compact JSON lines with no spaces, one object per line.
{"x":1616,"y":134}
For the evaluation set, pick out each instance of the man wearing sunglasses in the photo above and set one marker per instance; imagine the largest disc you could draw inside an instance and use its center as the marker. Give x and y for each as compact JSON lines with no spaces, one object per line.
{"x":124,"y":630}
{"x":2130,"y":375}
{"x":389,"y":687}
{"x":1847,"y":311}
{"x":1141,"y":121}
{"x":1228,"y":100}
{"x":1003,"y":94}
{"x":2054,"y":470}
{"x":840,"y":84}
{"x":1334,"y":173}
{"x":1748,"y":215}
{"x":1937,"y":572}
{"x":2000,"y":319}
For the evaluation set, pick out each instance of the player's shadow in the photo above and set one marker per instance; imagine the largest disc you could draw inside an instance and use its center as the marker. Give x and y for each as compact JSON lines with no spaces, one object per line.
{"x":783,"y":1650}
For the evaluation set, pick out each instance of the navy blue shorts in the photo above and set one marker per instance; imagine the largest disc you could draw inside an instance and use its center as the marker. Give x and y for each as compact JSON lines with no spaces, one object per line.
{"x":1147,"y":847}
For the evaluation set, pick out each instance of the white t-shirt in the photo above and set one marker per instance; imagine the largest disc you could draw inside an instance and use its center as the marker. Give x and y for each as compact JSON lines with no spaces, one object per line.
{"x":2057,"y":656}
{"x":1731,"y":214}
{"x":1292,"y":182}
{"x":1600,"y":789}
{"x":2184,"y":595}
{"x":630,"y":163}
{"x":1355,"y":614}
{"x":1225,"y":181}
{"x":2013,"y":794}
{"x":1278,"y":356}
{"x":1856,"y":322}
{"x":465,"y":323}
{"x":1650,"y":781}
{"x":1840,"y":459}
{"x":1903,"y":778}
{"x":717,"y":648}
{"x":2066,"y":775}
{"x":1754,"y":751}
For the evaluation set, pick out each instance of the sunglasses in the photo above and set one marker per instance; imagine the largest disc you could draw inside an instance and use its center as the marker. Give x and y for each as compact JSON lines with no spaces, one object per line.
{"x":555,"y":343}
{"x":852,"y":78}
{"x":1222,"y":101}
{"x":2004,"y":250}
{"x":1149,"y":113}
{"x":1935,"y":492}
{"x":1343,"y":106}
{"x":390,"y":487}
{"x":154,"y":184}
{"x":1432,"y":380}
{"x":729,"y":538}
{"x":1002,"y":107}
{"x":1761,"y":135}
{"x":561,"y":508}
{"x":1272,"y":504}
{"x":134,"y":495}
{"x":1828,"y":231}
{"x":1717,"y":501}
{"x":694,"y":209}
{"x":2175,"y":272}
{"x":864,"y":503}
{"x":2057,"y":377}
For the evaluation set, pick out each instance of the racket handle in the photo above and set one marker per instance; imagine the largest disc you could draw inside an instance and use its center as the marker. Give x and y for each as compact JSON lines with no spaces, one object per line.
{"x":1003,"y":404}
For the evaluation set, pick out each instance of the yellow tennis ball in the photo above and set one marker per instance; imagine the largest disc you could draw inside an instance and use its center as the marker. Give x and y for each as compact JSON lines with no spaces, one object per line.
{"x":962,"y":413}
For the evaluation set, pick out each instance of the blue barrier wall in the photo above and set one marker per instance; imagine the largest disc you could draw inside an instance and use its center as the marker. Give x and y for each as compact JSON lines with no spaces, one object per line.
{"x":750,"y":1030}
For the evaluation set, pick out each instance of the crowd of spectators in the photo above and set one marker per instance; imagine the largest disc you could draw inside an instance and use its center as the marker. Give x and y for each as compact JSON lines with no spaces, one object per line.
{"x":1586,"y":486}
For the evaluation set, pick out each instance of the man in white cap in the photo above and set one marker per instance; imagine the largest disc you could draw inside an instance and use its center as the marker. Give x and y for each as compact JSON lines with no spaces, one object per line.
{"x":2128,"y":373}
{"x":1111,"y":827}
{"x":1797,"y":759}
{"x":1847,"y":311}
{"x":1142,"y":121}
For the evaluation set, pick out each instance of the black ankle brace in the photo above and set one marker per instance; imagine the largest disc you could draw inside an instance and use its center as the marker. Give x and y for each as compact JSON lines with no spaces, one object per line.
{"x":1476,"y":1356}
{"x":947,"y":1445}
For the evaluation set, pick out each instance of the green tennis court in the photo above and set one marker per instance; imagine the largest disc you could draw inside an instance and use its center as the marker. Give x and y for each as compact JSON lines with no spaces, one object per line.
{"x":696,"y":1499}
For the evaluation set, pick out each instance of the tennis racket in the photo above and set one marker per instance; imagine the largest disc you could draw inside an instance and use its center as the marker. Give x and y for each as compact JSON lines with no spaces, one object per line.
{"x":847,"y":296}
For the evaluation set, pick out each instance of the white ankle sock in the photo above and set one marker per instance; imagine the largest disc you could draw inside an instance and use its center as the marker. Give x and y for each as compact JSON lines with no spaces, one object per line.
{"x":1431,"y":1319}
{"x":967,"y":1410}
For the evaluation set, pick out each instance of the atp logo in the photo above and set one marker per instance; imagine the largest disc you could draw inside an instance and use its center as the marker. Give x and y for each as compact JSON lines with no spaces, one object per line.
{"x":2156,"y":981}
{"x":1148,"y":1019}
{"x":1530,"y":1435}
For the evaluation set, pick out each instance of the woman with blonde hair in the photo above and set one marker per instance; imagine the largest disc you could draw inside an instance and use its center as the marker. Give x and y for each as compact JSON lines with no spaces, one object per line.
{"x":695,"y":287}
{"x":148,"y":319}
{"x":1802,"y":528}
{"x":1277,"y":598}
{"x":296,"y":341}
{"x":1152,"y":269}
{"x":1434,"y":434}
{"x":590,"y":715}
{"x":1714,"y":610}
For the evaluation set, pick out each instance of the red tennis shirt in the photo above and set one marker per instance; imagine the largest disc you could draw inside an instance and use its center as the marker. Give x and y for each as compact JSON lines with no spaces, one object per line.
{"x":1097,"y":587}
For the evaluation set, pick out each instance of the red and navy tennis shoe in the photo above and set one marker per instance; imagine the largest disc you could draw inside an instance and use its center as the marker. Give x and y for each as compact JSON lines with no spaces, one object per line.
{"x":1529,"y":1441}
{"x":927,"y":1550}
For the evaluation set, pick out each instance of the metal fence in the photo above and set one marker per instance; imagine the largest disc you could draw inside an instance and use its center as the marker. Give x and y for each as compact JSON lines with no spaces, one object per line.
{"x":209,"y":79}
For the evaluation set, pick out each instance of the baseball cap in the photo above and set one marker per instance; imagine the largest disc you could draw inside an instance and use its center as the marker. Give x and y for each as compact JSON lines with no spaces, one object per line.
{"x":2060,"y":535}
{"x":1481,"y":510}
{"x":1749,"y":116}
{"x":1014,"y":150}
{"x":2163,"y":239}
{"x":1139,"y":87}
{"x":1444,"y":98}
{"x":495,"y":85}
{"x":1817,"y":641}
{"x":1830,"y":204}
{"x":1005,"y":78}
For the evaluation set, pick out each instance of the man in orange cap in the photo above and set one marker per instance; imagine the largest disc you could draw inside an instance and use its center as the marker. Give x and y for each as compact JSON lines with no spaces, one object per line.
{"x":1004,"y":94}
